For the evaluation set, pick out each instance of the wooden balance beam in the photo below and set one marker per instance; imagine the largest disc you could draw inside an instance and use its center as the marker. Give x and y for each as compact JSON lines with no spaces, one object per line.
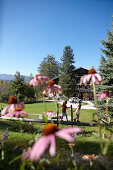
{"x":49,"y":121}
{"x":57,"y":121}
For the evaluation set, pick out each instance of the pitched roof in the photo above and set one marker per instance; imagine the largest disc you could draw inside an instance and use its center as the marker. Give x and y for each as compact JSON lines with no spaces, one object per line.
{"x":81,"y":68}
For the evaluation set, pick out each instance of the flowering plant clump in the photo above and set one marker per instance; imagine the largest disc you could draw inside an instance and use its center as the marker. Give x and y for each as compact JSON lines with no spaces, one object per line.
{"x":12,"y":105}
{"x":92,"y":77}
{"x":50,"y":132}
{"x":16,"y":113}
{"x":52,"y":88}
{"x":38,"y":80}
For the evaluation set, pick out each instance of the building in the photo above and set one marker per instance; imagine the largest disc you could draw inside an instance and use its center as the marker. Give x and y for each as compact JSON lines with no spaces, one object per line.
{"x":83,"y":92}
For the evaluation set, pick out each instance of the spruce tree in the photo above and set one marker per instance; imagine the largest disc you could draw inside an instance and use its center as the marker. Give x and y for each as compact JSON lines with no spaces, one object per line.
{"x":106,"y":70}
{"x":49,"y":67}
{"x":67,"y":76}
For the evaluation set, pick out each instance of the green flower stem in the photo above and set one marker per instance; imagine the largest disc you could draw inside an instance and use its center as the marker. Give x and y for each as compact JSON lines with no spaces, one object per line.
{"x":99,"y":125}
{"x":57,"y":106}
{"x":21,"y":132}
{"x":107,"y":115}
{"x":44,"y":103}
{"x":72,"y":153}
{"x":94,"y":93}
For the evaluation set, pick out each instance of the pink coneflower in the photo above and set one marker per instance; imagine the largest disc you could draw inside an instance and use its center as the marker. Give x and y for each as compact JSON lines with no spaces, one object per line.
{"x":92,"y":76}
{"x":72,"y":144}
{"x":12,"y":105}
{"x":38,"y":80}
{"x":50,"y":114}
{"x":90,"y":158}
{"x":50,"y":132}
{"x":16,"y":113}
{"x":52,"y":88}
{"x":104,"y":95}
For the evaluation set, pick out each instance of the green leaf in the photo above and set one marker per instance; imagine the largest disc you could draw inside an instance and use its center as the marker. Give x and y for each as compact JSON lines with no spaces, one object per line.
{"x":15,"y":159}
{"x":74,"y":163}
{"x":44,"y":118}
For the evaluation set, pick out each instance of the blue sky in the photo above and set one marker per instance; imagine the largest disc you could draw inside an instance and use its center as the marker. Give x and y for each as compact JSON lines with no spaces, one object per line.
{"x":32,"y":29}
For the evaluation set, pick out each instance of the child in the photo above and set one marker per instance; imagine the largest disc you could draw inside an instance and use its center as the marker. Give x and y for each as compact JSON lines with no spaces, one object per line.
{"x":77,"y":113}
{"x":64,"y":106}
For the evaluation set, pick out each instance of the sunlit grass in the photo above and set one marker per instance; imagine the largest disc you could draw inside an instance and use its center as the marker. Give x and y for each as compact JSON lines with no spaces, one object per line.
{"x":86,"y":143}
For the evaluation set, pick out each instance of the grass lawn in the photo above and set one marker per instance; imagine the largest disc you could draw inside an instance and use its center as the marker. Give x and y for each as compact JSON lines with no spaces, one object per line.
{"x":22,"y":135}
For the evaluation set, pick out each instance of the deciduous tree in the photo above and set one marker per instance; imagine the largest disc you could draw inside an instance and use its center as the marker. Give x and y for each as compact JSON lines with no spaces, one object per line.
{"x":17,"y":86}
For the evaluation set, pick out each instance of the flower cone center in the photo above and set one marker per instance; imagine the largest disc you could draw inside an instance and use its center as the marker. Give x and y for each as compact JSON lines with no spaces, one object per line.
{"x":51,"y":83}
{"x":37,"y":75}
{"x":50,"y":128}
{"x":105,"y":91}
{"x":71,"y":144}
{"x":50,"y":111}
{"x":92,"y":71}
{"x":12,"y":100}
{"x":90,"y":156}
{"x":17,"y":109}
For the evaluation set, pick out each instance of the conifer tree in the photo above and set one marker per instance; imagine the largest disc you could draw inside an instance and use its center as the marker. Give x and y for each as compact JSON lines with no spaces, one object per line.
{"x":67,"y":79}
{"x":17,"y":86}
{"x":49,"y":67}
{"x":106,"y":69}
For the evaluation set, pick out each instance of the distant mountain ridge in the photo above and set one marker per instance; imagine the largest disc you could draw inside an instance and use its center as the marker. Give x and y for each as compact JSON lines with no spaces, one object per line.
{"x":9,"y":77}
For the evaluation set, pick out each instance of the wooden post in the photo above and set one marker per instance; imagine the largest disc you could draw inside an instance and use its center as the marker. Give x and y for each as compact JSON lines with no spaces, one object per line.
{"x":57,"y":115}
{"x":72,"y":115}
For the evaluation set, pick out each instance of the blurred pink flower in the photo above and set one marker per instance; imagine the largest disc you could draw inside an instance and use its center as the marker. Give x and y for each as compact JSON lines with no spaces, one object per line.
{"x":104,"y":95}
{"x":90,"y":158}
{"x":50,"y":114}
{"x":16,"y":113}
{"x":50,"y":132}
{"x":52,"y":88}
{"x":101,"y":96}
{"x":92,"y":76}
{"x":12,"y":105}
{"x":38,"y":80}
